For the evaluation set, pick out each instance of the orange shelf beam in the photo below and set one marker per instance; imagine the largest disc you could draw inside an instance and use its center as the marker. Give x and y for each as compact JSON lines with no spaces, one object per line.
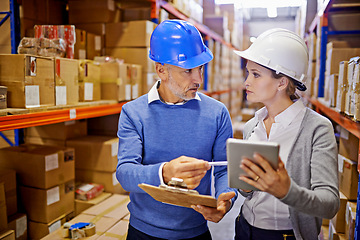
{"x":345,"y":122}
{"x":57,"y":116}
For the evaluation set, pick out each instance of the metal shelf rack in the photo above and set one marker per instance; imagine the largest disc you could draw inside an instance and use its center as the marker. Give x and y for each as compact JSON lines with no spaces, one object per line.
{"x":321,"y":20}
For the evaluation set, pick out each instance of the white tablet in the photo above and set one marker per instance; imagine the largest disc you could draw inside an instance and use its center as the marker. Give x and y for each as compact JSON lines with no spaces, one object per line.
{"x":238,"y":148}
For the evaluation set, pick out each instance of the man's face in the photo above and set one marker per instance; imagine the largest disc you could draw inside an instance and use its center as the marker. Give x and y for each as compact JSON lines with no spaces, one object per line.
{"x":184,"y":83}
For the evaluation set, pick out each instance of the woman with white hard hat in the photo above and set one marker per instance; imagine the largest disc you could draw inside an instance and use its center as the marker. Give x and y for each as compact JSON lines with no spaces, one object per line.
{"x":295,"y":197}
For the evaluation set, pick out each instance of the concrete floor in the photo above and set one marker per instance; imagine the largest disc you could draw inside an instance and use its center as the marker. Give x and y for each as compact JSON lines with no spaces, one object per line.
{"x":225,"y":229}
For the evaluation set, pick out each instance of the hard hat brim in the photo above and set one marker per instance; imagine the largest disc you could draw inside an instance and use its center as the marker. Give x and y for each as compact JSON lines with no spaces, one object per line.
{"x":194,"y":62}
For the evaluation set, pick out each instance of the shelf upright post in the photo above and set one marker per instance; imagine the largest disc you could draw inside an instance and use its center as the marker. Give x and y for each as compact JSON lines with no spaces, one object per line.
{"x":206,"y":42}
{"x":357,"y":217}
{"x":155,"y":6}
{"x":14,"y":26}
{"x":15,"y":40}
{"x":323,"y":43}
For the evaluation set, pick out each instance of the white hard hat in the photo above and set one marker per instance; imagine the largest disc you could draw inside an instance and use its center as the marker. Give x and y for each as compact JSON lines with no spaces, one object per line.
{"x":282,"y":51}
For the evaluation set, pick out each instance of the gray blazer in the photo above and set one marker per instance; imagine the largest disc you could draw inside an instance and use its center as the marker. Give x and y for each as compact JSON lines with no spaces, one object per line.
{"x":312,"y":166}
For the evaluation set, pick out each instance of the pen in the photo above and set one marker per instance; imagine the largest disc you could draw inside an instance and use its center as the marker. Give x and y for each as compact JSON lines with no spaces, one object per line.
{"x":222,"y":163}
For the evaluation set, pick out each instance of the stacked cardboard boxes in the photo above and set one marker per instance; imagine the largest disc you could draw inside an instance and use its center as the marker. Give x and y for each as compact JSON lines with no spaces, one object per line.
{"x":121,"y":81}
{"x":46,"y":180}
{"x":132,"y":44}
{"x":106,"y":216}
{"x":56,"y":134}
{"x":96,"y":161}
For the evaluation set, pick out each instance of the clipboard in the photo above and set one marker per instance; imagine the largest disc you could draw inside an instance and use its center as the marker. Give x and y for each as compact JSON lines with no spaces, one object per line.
{"x":178,"y":196}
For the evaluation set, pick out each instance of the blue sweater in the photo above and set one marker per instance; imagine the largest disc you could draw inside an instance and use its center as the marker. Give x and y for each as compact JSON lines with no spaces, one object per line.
{"x":150,"y":134}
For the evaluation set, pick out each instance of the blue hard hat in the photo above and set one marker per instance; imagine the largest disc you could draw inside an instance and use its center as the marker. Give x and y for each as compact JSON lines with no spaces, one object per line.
{"x":178,"y":43}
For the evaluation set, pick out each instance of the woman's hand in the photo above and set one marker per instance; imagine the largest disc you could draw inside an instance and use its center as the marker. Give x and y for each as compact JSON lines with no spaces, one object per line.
{"x":264,"y":177}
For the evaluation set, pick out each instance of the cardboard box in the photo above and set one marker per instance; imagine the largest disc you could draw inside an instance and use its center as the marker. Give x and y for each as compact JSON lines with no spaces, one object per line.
{"x":18,"y":223}
{"x":350,"y":216}
{"x":66,"y":81}
{"x":333,"y":235}
{"x":105,"y":126}
{"x":45,"y":166}
{"x":354,"y":64}
{"x":118,"y":231}
{"x":95,"y":153}
{"x":46,"y":205}
{"x":91,"y":11}
{"x":348,"y":145}
{"x":113,"y":207}
{"x":116,"y":81}
{"x":342,"y":86}
{"x":44,"y":141}
{"x":137,"y":84}
{"x":218,"y":24}
{"x":349,"y":177}
{"x":129,"y":34}
{"x":333,"y":89}
{"x":59,"y":131}
{"x":3,"y":216}
{"x":137,"y":13}
{"x":95,"y":28}
{"x":89,"y":81}
{"x":8,"y":176}
{"x":102,"y":225}
{"x":94,"y":45}
{"x":47,"y":11}
{"x":338,"y":221}
{"x":108,"y":179}
{"x":80,"y":45}
{"x":336,"y":55}
{"x":133,"y":56}
{"x":9,"y":134}
{"x":81,"y":205}
{"x":39,"y":230}
{"x":3,"y":97}
{"x":30,"y":83}
{"x":344,"y":21}
{"x":7,"y":235}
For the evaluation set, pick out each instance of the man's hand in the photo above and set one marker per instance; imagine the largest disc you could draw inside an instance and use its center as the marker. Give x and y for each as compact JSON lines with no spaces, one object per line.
{"x":191,"y":170}
{"x":216,"y":214}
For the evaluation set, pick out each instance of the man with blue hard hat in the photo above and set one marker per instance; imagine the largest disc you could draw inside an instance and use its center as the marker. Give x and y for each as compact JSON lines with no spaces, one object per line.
{"x":174,"y":131}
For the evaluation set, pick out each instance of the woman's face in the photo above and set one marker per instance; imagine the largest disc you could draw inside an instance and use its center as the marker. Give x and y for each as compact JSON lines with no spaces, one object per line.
{"x":260,"y":84}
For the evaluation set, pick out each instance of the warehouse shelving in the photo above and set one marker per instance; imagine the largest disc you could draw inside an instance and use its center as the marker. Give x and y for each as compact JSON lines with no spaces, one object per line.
{"x":56,"y":116}
{"x":321,"y":21}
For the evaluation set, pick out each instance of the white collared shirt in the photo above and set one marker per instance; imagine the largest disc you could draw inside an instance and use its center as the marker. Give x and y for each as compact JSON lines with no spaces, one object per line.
{"x":153,"y":95}
{"x":264,"y":210}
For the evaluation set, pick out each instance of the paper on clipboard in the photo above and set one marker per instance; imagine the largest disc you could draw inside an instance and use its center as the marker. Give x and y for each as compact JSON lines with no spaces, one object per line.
{"x":179,"y":198}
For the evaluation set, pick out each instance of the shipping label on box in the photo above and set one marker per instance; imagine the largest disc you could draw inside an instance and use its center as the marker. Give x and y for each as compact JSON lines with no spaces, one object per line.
{"x":45,"y":167}
{"x":67,"y":81}
{"x":46,"y":205}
